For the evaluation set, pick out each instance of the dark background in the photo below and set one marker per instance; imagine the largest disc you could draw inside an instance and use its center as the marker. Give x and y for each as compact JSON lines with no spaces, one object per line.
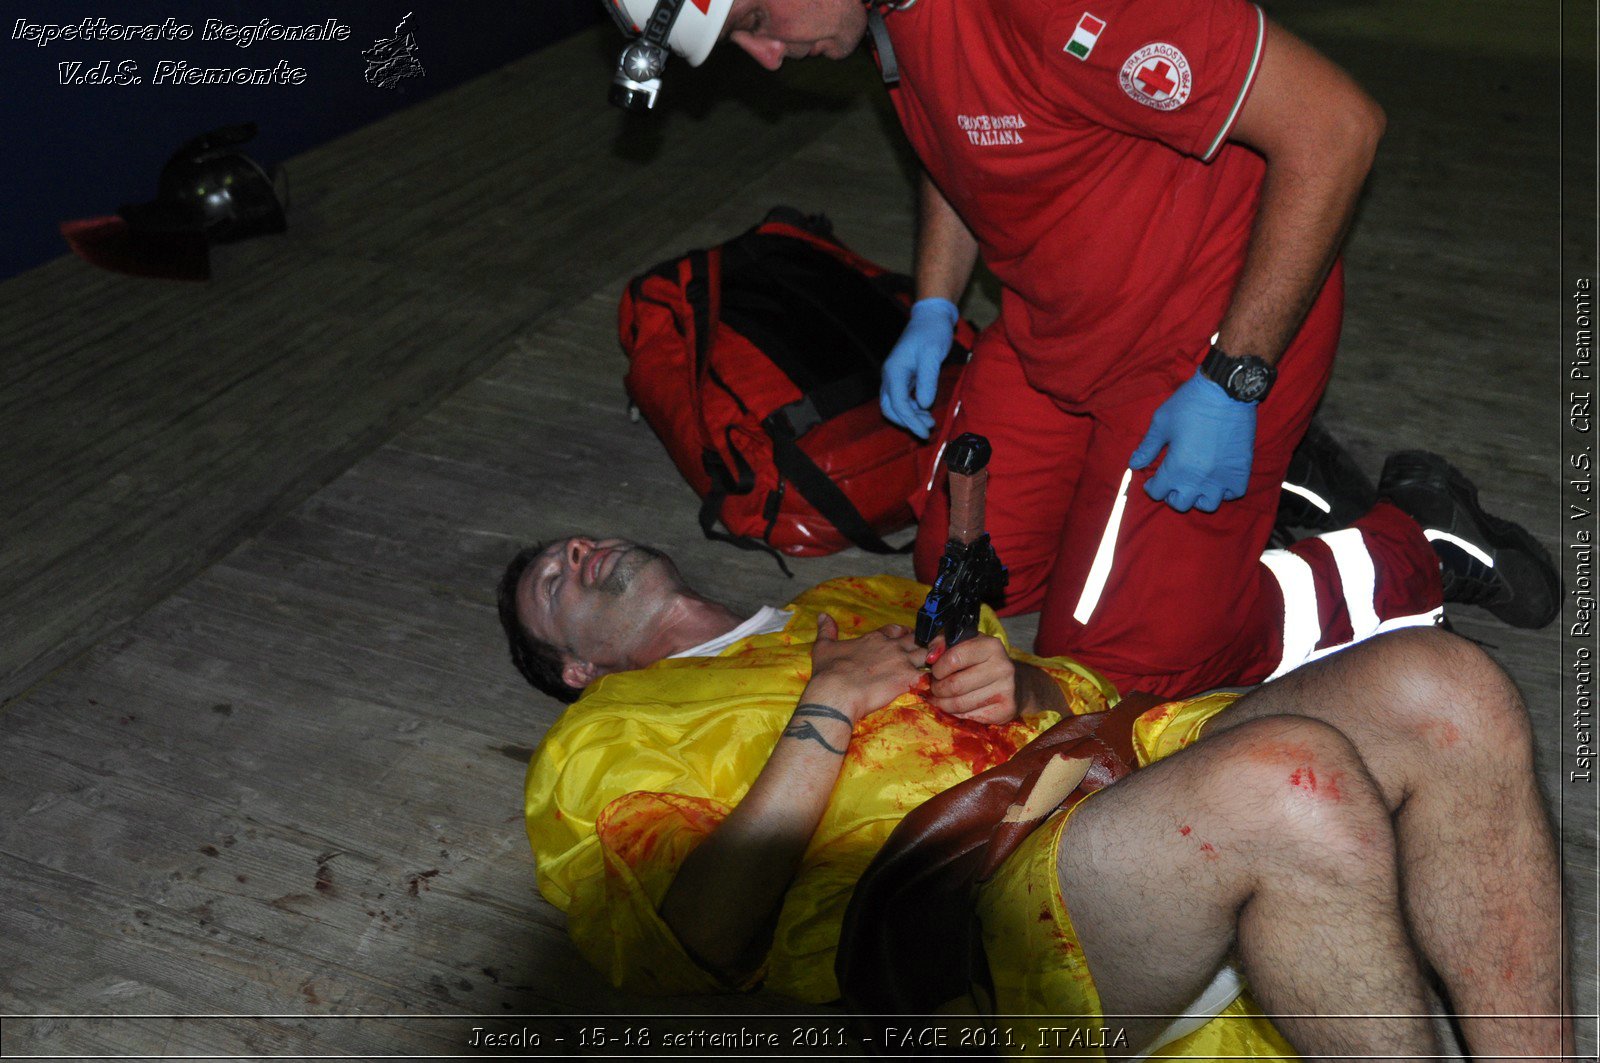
{"x":76,"y":151}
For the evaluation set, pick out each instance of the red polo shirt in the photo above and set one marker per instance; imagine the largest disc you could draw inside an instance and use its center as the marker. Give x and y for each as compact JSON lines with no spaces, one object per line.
{"x":1083,"y":143}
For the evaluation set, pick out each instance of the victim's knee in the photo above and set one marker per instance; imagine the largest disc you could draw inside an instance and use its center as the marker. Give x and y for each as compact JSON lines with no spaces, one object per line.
{"x":1297,"y":793}
{"x":1452,"y":699}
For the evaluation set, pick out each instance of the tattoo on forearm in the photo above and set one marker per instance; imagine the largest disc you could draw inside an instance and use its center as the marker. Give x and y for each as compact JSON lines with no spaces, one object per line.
{"x":802,"y":728}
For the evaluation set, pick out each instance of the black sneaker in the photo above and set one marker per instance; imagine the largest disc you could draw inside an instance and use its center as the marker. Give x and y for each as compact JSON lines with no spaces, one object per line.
{"x":1485,"y":560}
{"x":1324,"y":489}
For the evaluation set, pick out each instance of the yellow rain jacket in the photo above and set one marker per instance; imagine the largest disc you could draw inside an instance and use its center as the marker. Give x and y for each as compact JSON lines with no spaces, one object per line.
{"x":647,"y":763}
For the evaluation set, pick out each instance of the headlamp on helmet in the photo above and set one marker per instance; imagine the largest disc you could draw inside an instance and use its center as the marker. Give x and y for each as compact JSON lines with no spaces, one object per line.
{"x":656,"y":27}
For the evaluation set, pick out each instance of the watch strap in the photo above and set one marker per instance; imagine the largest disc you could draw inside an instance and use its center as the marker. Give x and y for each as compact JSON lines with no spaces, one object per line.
{"x":1246,"y":379}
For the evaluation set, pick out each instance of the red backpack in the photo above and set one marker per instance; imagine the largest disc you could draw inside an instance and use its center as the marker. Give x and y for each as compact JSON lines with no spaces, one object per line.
{"x":757,"y":364}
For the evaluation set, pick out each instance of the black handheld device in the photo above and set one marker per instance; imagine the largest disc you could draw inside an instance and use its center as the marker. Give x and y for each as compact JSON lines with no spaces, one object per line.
{"x":970,"y":572}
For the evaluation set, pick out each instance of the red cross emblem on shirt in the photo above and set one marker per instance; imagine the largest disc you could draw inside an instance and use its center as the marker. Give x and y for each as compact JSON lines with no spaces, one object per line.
{"x":1155,"y":78}
{"x":1158,"y":76}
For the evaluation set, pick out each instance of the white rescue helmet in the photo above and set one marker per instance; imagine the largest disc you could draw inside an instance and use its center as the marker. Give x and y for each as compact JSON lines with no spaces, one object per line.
{"x":694,"y":31}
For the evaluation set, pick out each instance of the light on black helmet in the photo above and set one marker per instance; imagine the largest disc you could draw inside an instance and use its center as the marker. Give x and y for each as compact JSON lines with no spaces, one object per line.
{"x":690,"y":28}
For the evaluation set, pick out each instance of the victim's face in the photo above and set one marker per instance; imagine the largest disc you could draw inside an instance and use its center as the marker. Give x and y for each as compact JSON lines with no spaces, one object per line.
{"x":596,"y":600}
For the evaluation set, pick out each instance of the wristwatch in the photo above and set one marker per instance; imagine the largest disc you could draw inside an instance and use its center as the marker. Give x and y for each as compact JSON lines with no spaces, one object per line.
{"x":1246,"y":379}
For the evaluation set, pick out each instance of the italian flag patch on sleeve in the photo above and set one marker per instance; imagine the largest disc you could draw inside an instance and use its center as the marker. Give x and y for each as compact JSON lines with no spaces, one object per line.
{"x":1084,"y":36}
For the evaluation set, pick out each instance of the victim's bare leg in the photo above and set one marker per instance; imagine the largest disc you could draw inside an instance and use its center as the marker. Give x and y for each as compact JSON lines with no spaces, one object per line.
{"x":1444,"y":733}
{"x":1167,"y":871}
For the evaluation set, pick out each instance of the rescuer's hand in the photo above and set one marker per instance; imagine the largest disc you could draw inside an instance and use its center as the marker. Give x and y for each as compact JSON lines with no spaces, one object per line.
{"x":1210,"y":441}
{"x":911,"y":372}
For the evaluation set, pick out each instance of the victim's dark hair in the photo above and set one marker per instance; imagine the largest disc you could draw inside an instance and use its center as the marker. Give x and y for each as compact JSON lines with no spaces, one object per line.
{"x":537,"y":660}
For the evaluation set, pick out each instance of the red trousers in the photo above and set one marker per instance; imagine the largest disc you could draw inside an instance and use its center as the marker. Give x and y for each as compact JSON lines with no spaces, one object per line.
{"x":1173,"y":603}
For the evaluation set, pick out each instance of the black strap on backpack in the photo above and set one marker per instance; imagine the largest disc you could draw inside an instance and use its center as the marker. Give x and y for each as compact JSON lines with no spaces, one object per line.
{"x":723,"y":484}
{"x":833,"y":377}
{"x":823,"y":494}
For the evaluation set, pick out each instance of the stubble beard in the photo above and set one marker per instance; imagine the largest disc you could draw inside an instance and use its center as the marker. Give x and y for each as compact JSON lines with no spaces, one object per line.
{"x":634,"y":560}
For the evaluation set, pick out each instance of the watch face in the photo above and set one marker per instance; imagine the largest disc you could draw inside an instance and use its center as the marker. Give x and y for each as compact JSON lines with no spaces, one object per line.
{"x":1250,"y":382}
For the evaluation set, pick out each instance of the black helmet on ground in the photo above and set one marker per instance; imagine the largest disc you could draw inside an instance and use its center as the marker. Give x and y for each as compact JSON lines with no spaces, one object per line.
{"x":211,"y":188}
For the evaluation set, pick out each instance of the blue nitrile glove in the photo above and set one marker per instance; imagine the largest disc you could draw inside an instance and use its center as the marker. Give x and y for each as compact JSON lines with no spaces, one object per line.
{"x":1210,"y":440}
{"x":911,"y":372}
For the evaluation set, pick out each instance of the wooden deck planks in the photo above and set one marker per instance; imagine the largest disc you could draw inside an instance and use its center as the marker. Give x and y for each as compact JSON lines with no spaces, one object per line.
{"x":228,"y":804}
{"x":420,"y":247}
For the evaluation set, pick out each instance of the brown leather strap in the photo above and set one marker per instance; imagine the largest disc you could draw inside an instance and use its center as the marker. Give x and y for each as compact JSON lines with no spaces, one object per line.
{"x":1117,"y":730}
{"x":913,"y":907}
